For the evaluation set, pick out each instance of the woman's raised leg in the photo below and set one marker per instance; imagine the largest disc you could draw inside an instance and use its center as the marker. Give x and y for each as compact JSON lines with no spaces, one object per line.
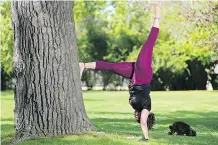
{"x":143,"y":69}
{"x":124,"y":69}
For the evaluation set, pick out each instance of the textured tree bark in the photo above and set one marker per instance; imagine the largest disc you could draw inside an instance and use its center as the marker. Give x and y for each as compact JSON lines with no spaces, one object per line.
{"x":48,"y":96}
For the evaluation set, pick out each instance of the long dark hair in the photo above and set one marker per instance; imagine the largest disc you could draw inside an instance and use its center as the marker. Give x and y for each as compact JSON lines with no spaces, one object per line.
{"x":150,"y":121}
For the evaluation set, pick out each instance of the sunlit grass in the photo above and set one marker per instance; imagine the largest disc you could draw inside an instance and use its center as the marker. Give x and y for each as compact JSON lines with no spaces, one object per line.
{"x":113,"y":117}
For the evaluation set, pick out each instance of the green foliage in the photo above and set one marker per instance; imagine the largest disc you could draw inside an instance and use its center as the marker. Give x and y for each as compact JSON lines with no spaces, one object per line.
{"x":185,"y":46}
{"x":115,"y":31}
{"x":91,"y":41}
{"x":6,"y":37}
{"x":125,"y":30}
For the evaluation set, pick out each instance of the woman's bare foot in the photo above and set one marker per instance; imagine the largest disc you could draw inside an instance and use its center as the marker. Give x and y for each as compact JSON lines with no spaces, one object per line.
{"x":156,"y":15}
{"x":82,"y":67}
{"x":156,"y":10}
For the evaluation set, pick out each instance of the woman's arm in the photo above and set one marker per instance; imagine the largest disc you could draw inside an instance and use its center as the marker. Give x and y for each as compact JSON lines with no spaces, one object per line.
{"x":145,"y":112}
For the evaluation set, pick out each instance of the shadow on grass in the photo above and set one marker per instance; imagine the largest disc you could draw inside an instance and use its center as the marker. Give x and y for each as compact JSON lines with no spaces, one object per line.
{"x":7,"y":119}
{"x":112,"y":113}
{"x":7,"y":98}
{"x":78,"y":141}
{"x":117,"y":126}
{"x":70,"y":139}
{"x":205,"y":123}
{"x":87,"y":100}
{"x":201,"y":120}
{"x":206,"y":120}
{"x":7,"y":92}
{"x":7,"y":133}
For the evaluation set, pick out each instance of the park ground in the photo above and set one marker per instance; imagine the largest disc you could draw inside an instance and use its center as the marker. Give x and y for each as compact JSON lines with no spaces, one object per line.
{"x":113,"y":118}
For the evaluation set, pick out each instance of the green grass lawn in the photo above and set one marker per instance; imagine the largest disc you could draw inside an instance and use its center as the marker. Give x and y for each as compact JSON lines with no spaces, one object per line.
{"x":113,"y":117}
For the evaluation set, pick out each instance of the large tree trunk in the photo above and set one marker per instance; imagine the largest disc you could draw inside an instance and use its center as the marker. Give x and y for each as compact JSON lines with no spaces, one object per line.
{"x":48,"y":95}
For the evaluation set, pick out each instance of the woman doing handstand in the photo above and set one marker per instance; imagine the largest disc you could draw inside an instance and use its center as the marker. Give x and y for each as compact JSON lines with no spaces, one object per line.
{"x":140,"y":73}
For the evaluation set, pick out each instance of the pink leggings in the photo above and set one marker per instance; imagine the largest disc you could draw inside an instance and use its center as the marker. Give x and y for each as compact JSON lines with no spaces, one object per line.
{"x":140,"y":72}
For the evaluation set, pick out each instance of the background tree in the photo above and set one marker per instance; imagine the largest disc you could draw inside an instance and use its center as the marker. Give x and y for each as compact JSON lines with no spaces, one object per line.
{"x":48,"y":97}
{"x":6,"y":46}
{"x":91,"y":40}
{"x":185,"y":46}
{"x":185,"y":53}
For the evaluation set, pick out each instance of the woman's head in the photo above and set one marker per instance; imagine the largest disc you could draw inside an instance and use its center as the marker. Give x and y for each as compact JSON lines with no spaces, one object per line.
{"x":150,"y":121}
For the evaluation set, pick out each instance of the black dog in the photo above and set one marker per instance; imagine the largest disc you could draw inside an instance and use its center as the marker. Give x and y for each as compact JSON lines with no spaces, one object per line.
{"x":181,"y":128}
